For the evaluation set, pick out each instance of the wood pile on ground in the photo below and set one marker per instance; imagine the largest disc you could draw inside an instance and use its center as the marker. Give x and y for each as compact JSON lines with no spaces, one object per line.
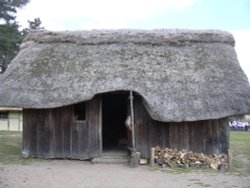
{"x":174,"y":158}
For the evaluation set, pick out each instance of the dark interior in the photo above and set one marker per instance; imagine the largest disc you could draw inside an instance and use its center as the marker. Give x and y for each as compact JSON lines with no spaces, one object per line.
{"x":114,"y":113}
{"x":80,"y":111}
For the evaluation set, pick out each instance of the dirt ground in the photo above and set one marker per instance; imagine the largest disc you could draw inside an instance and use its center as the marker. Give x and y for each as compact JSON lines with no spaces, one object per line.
{"x":65,"y":173}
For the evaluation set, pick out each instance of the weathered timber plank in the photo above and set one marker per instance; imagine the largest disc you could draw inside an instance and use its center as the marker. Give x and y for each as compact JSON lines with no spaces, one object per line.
{"x":93,"y":143}
{"x":26,"y":143}
{"x":75,"y":129}
{"x":67,"y":113}
{"x":141,"y":117}
{"x":43,"y":134}
{"x":185,"y":136}
{"x":33,"y":132}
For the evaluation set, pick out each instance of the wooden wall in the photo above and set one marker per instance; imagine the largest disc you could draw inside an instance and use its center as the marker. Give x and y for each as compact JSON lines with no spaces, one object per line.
{"x":53,"y":133}
{"x":208,"y":136}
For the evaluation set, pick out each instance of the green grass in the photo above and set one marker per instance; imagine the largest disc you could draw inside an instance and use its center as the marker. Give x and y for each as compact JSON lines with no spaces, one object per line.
{"x":10,"y":152}
{"x":240,"y":144}
{"x":10,"y":148}
{"x":202,"y":184}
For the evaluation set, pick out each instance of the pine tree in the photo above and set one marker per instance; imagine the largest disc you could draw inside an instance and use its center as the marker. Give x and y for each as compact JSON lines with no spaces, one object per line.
{"x":10,"y":35}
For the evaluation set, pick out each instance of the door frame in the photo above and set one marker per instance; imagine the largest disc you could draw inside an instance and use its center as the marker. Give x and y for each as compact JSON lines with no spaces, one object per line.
{"x":129,"y":138}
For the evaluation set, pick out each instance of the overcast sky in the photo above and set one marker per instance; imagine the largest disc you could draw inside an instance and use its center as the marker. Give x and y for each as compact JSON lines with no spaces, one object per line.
{"x":228,"y":15}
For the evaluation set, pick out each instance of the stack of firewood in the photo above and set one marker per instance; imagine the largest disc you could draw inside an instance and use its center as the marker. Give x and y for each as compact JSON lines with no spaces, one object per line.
{"x":174,"y":158}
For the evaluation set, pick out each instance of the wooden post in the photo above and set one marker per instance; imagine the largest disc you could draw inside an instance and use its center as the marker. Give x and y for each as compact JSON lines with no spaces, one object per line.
{"x":230,"y":159}
{"x":152,"y":157}
{"x":8,"y":123}
{"x":132,"y":120}
{"x":135,"y":156}
{"x":19,"y":115}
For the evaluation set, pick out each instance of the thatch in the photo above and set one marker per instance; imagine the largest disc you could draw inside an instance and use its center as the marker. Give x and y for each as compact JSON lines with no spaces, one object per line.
{"x":182,"y":75}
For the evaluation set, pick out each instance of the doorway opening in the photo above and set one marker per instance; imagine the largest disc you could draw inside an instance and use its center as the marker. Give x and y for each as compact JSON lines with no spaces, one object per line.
{"x":114,"y":114}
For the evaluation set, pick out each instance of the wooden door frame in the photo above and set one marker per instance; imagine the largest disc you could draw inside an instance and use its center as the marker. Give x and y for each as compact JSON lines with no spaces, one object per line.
{"x":129,"y":136}
{"x":100,"y":126}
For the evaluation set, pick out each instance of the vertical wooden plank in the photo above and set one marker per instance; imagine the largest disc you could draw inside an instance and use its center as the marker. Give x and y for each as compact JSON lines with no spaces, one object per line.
{"x":177,"y":135}
{"x":74,"y":140}
{"x":180,"y":134}
{"x":173,"y":138}
{"x":217,"y":137}
{"x":213,"y":145}
{"x":19,"y":117}
{"x":171,"y":135}
{"x":51,"y":127}
{"x":8,"y":122}
{"x":204,"y":130}
{"x":162,"y":128}
{"x":83,"y":141}
{"x":198,"y":136}
{"x":67,"y":113}
{"x":152,"y":134}
{"x":94,"y":123}
{"x":33,"y":132}
{"x":63,"y":114}
{"x":166,"y":134}
{"x":26,"y":134}
{"x":185,"y":136}
{"x":214,"y":137}
{"x":30,"y":133}
{"x":226,"y":147}
{"x":100,"y":125}
{"x":44,"y":133}
{"x":191,"y":136}
{"x":58,"y":131}
{"x":223,"y":138}
{"x":209,"y":136}
{"x":142,"y":129}
{"x":71,"y":138}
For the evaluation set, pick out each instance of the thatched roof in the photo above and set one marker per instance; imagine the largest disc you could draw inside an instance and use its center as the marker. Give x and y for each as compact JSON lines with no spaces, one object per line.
{"x":182,"y":75}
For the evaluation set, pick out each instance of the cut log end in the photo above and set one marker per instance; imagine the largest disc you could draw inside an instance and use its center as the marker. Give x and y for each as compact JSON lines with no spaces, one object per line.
{"x":174,"y":158}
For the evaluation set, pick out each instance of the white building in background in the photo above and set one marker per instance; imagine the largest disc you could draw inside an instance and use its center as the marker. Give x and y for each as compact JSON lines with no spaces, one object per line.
{"x":11,"y":119}
{"x":247,"y":118}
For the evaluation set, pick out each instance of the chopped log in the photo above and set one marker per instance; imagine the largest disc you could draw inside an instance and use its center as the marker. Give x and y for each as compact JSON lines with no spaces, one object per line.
{"x":173,"y":158}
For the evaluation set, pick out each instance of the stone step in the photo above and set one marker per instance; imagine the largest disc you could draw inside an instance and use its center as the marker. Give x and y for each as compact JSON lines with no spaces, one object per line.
{"x":111,"y":160}
{"x":112,"y":157}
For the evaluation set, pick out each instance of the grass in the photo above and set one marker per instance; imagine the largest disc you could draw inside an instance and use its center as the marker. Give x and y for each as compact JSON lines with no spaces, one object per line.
{"x":10,"y":152}
{"x":240,"y":144}
{"x":202,"y":184}
{"x":184,"y":170}
{"x":10,"y":148}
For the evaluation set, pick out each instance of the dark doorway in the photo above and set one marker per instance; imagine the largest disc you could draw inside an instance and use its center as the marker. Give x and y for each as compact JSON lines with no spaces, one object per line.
{"x":114,"y":114}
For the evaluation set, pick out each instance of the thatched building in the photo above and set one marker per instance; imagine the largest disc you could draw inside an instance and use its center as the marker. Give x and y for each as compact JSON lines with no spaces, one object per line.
{"x":74,"y":89}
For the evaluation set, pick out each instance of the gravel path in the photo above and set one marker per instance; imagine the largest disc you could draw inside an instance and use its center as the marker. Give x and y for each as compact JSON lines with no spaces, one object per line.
{"x":74,"y":174}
